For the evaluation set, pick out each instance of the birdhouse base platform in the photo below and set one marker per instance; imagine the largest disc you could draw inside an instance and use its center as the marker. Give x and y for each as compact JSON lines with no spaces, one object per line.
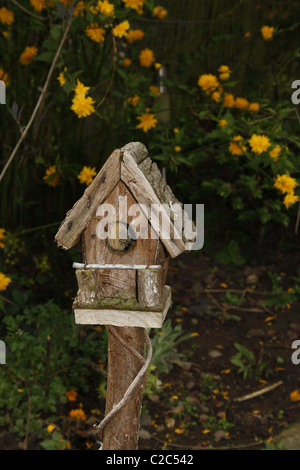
{"x":150,"y":317}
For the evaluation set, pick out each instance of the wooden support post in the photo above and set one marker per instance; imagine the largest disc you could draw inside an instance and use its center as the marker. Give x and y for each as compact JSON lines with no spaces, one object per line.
{"x":122,"y":431}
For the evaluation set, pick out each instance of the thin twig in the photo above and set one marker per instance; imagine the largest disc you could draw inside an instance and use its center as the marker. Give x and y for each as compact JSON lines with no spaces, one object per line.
{"x":257,"y":393}
{"x":38,"y":104}
{"x":38,"y":17}
{"x":112,"y":75}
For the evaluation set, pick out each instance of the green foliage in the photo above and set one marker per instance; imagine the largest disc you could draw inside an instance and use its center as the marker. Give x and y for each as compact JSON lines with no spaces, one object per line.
{"x":248,"y":363}
{"x":47,"y":354}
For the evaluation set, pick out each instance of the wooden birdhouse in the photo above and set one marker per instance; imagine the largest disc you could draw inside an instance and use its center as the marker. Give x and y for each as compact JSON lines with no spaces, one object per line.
{"x":128,"y":232}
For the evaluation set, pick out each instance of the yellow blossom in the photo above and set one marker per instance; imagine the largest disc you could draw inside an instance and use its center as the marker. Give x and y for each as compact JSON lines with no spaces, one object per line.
{"x":259,"y":143}
{"x":154,"y":89}
{"x":28,"y":55}
{"x":236,"y":147}
{"x":95,"y":32}
{"x":147,"y":121}
{"x":61,"y":78}
{"x":105,"y":8}
{"x":50,"y":427}
{"x":2,"y":235}
{"x":157,"y":66}
{"x":3,"y":77}
{"x":229,"y":100}
{"x":38,"y":5}
{"x":121,"y":29}
{"x":175,"y":130}
{"x":208,"y":83}
{"x":71,"y":395}
{"x":83,"y":106}
{"x":134,"y":5}
{"x":177,"y":148}
{"x":225,"y":72}
{"x":160,"y":12}
{"x":135,"y":35}
{"x":80,"y":88}
{"x":216,"y":95}
{"x":247,"y":34}
{"x":253,"y":107}
{"x":52,"y":176}
{"x":285,"y":183}
{"x":275,"y":152}
{"x":241,"y":103}
{"x":146,"y":57}
{"x":86,"y":175}
{"x":222,"y":123}
{"x":4,"y":281}
{"x":133,"y":100}
{"x":127,"y":62}
{"x":78,"y":414}
{"x":290,"y":199}
{"x":6,"y":16}
{"x":80,"y":7}
{"x":267,"y":32}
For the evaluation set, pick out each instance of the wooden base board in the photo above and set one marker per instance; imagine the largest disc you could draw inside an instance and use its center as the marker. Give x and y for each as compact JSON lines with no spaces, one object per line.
{"x":144,"y":319}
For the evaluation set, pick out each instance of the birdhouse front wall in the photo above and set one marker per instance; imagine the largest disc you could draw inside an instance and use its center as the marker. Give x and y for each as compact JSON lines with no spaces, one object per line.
{"x":121,"y":288}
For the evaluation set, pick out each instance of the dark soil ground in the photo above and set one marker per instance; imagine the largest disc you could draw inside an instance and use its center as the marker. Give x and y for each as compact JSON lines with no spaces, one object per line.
{"x":201,"y":403}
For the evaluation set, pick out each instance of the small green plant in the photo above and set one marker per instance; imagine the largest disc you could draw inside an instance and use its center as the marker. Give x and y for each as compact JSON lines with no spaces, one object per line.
{"x":164,"y":343}
{"x":278,"y":297}
{"x":247,"y":362}
{"x":214,"y":423}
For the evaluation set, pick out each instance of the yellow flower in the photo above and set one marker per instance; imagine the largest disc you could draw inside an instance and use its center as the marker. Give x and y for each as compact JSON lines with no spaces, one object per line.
{"x":267,"y":32}
{"x":105,"y":8}
{"x":126,"y":62}
{"x":2,"y":235}
{"x":259,"y":143}
{"x":3,"y":77}
{"x":208,"y":83}
{"x":224,"y":72}
{"x":177,"y":148}
{"x":38,"y":5}
{"x":86,"y":175}
{"x":71,"y":395}
{"x":52,"y":176}
{"x":147,"y":121}
{"x":4,"y":281}
{"x":80,"y":88}
{"x":175,"y":130}
{"x":83,"y":106}
{"x":157,"y":66}
{"x":247,"y":34}
{"x":285,"y":183}
{"x":95,"y":32}
{"x":6,"y":16}
{"x":154,"y":89}
{"x":78,"y":414}
{"x":160,"y":12}
{"x":28,"y":55}
{"x":121,"y":29}
{"x":133,"y":100}
{"x":61,"y":78}
{"x":236,"y":147}
{"x":178,"y":431}
{"x":275,"y":152}
{"x":253,"y":107}
{"x":229,"y":100}
{"x":241,"y":103}
{"x":290,"y":199}
{"x":216,"y":95}
{"x":134,"y":5}
{"x":295,"y":395}
{"x":222,"y":123}
{"x":79,"y":8}
{"x":146,"y":57}
{"x":135,"y":35}
{"x":50,"y":427}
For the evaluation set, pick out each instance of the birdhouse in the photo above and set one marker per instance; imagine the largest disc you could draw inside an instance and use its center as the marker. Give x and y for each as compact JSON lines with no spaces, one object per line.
{"x":129,"y":224}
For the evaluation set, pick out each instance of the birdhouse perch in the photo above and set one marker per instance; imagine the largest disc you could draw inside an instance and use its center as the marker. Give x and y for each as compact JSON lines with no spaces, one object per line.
{"x":130,"y":224}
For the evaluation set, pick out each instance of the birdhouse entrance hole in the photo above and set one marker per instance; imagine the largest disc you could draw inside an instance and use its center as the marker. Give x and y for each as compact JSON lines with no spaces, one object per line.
{"x":119,"y":238}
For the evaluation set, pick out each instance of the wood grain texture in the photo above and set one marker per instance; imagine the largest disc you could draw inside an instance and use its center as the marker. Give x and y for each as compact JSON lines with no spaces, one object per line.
{"x":84,"y":209}
{"x":144,"y":193}
{"x":149,"y":287}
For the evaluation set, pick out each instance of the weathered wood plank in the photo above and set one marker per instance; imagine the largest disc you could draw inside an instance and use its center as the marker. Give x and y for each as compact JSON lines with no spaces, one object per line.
{"x":144,"y":319}
{"x":144,"y":193}
{"x":84,"y":209}
{"x":149,"y":288}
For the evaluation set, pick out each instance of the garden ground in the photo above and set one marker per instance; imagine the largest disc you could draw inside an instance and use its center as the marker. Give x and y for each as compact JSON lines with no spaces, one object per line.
{"x":198,"y":404}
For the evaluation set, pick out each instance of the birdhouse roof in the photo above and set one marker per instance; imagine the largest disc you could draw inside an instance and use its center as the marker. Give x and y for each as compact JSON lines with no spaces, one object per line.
{"x":132,"y":165}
